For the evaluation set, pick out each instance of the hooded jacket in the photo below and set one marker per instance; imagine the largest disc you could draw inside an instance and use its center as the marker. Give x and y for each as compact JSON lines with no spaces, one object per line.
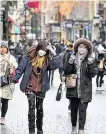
{"x":25,"y":69}
{"x":87,"y":72}
{"x":7,"y":62}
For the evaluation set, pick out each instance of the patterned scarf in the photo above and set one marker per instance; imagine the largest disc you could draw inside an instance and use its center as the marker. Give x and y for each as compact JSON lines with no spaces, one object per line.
{"x":4,"y":59}
{"x":38,"y":62}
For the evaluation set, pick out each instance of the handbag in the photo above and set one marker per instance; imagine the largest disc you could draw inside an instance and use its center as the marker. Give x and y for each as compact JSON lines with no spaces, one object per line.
{"x":5,"y":79}
{"x":59,"y":93}
{"x":71,"y":81}
{"x":100,"y":66}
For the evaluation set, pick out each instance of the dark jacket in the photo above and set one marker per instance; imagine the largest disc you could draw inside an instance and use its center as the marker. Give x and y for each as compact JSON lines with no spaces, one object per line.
{"x":100,"y":57}
{"x":25,"y":69}
{"x":66,"y":57}
{"x":86,"y":74}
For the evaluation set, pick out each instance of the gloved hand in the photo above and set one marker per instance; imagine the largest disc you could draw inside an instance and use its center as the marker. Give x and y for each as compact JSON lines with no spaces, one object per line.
{"x":90,"y":60}
{"x":63,"y":79}
{"x":51,"y":50}
{"x":72,"y":59}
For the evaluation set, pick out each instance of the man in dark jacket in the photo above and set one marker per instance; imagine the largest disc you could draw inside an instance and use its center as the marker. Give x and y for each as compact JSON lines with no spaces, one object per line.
{"x":18,"y":53}
{"x":83,"y":65}
{"x":68,"y":52}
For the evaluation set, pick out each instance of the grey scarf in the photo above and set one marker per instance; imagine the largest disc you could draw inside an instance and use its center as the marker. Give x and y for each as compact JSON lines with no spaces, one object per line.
{"x":80,"y":56}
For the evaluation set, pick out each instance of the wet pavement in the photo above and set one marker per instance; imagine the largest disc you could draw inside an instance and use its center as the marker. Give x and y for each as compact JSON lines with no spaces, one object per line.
{"x":56,"y":114}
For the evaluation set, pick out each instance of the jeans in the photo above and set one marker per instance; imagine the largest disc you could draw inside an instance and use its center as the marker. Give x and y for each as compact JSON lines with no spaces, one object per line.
{"x":61,"y":73}
{"x":82,"y":107}
{"x":101,"y":75}
{"x":4,"y":107}
{"x":31,"y":113}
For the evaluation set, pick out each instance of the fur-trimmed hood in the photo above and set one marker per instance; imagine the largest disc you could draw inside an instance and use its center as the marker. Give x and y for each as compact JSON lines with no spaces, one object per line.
{"x":85,"y":42}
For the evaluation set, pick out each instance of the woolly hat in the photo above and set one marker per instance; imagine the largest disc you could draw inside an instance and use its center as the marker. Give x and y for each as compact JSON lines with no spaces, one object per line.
{"x":3,"y":43}
{"x":84,"y":41}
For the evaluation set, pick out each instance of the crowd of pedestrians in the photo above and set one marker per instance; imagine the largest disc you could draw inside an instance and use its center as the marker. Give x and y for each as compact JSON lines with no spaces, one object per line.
{"x":77,"y":66}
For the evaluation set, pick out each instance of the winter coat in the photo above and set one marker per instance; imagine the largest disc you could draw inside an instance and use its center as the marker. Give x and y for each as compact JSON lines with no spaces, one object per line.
{"x":64,"y":56}
{"x":25,"y":69}
{"x":6,"y":92}
{"x":100,"y":57}
{"x":87,"y":73}
{"x":83,"y":89}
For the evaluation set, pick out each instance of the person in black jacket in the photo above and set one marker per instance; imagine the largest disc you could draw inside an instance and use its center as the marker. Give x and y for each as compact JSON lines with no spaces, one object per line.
{"x":82,"y":64}
{"x":101,"y":69}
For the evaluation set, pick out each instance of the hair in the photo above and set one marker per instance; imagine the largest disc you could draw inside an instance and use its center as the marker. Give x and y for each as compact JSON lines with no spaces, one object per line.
{"x":41,"y":46}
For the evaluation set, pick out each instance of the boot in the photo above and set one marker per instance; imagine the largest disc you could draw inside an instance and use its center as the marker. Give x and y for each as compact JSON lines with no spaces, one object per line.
{"x":74,"y":130}
{"x":39,"y":132}
{"x":2,"y":121}
{"x":31,"y":131}
{"x":81,"y":132}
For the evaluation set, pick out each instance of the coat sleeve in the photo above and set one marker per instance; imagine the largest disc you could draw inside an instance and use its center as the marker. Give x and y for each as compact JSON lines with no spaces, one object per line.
{"x":92,"y":70}
{"x":69,"y":69}
{"x":54,"y":63}
{"x":20,"y":69}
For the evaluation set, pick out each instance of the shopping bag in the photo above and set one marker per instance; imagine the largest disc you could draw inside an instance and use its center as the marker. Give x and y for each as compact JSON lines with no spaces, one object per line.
{"x":59,"y":93}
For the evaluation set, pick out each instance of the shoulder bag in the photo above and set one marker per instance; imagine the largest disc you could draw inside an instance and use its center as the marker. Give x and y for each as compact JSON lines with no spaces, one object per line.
{"x":71,"y":81}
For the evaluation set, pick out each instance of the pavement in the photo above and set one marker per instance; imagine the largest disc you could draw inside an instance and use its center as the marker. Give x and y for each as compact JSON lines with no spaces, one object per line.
{"x":57,"y":118}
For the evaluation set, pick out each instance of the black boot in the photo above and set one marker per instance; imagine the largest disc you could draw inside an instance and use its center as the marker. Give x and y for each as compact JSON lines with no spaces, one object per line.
{"x":31,"y":132}
{"x":39,"y":132}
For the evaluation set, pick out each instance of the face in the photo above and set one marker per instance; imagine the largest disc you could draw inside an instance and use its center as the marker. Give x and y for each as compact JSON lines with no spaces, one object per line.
{"x":82,"y":49}
{"x":3,"y":50}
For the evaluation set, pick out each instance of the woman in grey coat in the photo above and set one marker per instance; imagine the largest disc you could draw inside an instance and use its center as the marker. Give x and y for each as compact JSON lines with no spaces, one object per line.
{"x":82,"y":64}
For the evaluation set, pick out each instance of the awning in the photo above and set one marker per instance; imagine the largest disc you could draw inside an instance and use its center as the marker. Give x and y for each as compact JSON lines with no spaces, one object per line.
{"x":12,"y":21}
{"x":32,"y":3}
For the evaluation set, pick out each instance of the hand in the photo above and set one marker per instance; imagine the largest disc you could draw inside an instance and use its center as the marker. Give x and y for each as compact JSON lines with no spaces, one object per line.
{"x":51,"y":50}
{"x":63,"y":79}
{"x":72,"y":59}
{"x":90,"y":60}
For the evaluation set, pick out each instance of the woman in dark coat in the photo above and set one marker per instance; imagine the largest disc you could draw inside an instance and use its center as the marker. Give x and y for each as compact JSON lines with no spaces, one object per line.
{"x":82,"y":64}
{"x":35,"y":82}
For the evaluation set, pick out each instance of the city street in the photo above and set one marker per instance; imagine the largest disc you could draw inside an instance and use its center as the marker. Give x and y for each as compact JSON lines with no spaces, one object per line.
{"x":56,"y":114}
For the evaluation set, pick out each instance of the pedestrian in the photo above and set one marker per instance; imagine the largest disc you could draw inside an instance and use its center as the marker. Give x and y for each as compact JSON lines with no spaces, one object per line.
{"x":51,"y":72}
{"x":35,"y":83}
{"x":19,"y":53}
{"x":101,"y":69}
{"x":7,"y":67}
{"x":68,"y":52}
{"x":81,"y":68}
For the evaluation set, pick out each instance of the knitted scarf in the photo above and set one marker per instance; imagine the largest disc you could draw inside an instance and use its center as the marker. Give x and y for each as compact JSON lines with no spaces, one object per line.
{"x":38,"y":61}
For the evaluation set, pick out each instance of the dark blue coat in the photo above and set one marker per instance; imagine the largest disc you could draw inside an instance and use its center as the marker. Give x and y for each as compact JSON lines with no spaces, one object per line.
{"x":25,"y":69}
